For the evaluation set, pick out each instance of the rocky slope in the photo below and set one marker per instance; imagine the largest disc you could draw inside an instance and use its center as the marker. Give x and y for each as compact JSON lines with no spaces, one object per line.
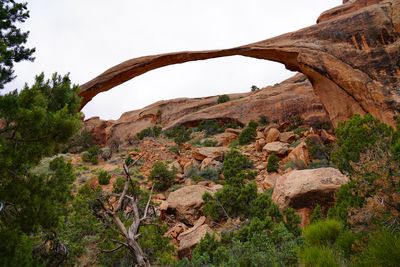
{"x":293,"y":97}
{"x":351,"y":56}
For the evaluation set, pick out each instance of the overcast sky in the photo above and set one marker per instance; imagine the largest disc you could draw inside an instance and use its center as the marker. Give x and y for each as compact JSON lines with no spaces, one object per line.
{"x":86,"y":37}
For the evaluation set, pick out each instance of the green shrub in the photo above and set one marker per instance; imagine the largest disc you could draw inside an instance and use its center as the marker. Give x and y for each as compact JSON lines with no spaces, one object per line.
{"x":322,"y":233}
{"x":344,"y":243}
{"x":235,"y":163}
{"x":248,"y":134}
{"x":263,"y":120}
{"x":104,"y":178}
{"x":210,"y":127}
{"x":231,"y":201}
{"x":180,"y":134}
{"x":209,"y":143}
{"x":292,"y":221}
{"x":316,"y":214}
{"x":91,"y":155}
{"x":354,"y":137}
{"x":81,"y":141}
{"x":318,"y":257}
{"x":154,"y":131}
{"x":383,"y":249}
{"x":254,"y":88}
{"x":174,"y":149}
{"x":294,"y":165}
{"x":128,"y":160}
{"x":273,"y":163}
{"x":223,"y":99}
{"x":161,"y":176}
{"x":209,"y":174}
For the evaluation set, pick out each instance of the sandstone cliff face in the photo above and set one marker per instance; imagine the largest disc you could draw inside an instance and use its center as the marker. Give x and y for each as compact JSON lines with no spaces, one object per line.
{"x":351,"y":56}
{"x":292,"y":97}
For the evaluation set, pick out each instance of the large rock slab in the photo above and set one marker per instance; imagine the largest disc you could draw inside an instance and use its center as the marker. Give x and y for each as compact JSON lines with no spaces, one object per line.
{"x":187,"y":202}
{"x":278,"y":148}
{"x":216,"y":153}
{"x":189,"y":239}
{"x":306,"y":188}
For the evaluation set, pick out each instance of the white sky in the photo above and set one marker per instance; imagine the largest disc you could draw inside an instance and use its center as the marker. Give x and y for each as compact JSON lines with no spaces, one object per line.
{"x":86,"y":37}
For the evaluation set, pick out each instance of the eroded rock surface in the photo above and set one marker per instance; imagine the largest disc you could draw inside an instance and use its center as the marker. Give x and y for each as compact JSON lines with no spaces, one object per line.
{"x":306,"y":188}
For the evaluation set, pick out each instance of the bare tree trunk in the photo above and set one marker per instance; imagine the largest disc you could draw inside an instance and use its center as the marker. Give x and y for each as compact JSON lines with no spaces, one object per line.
{"x":131,"y":234}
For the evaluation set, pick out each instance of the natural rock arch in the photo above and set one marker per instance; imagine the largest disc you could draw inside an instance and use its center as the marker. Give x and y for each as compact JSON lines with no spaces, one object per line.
{"x":351,"y":57}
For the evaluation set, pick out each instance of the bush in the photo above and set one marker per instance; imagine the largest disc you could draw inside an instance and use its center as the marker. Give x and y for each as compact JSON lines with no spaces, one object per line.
{"x":248,"y":134}
{"x":223,"y":99}
{"x":210,"y":127}
{"x":383,"y":249}
{"x":104,"y":178}
{"x":356,"y":136}
{"x":263,"y":120}
{"x":91,"y":155}
{"x":235,"y":163}
{"x":180,"y":134}
{"x":149,"y":132}
{"x":273,"y":163}
{"x":81,"y":141}
{"x":254,"y":88}
{"x":128,"y":160}
{"x":161,"y":176}
{"x":317,"y":257}
{"x":322,"y":233}
{"x":209,"y":174}
{"x":174,"y":149}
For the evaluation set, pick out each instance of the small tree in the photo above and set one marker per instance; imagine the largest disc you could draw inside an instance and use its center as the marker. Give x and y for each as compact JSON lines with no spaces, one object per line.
{"x":248,"y":134}
{"x":161,"y":176}
{"x":127,"y":205}
{"x":223,"y":99}
{"x":273,"y":163}
{"x":12,"y":42}
{"x":104,"y":178}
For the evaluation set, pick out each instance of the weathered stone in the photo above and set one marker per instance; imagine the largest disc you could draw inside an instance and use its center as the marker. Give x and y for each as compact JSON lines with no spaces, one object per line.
{"x":224,"y":139}
{"x":260,"y":143}
{"x":278,"y":148}
{"x":187,"y":202}
{"x":305,"y":188}
{"x":216,"y":153}
{"x":299,"y":155}
{"x":287,"y":137}
{"x":272,"y":135}
{"x":188,"y":241}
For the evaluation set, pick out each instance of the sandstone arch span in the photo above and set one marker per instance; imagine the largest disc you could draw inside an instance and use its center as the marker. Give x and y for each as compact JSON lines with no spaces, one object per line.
{"x":351,"y":56}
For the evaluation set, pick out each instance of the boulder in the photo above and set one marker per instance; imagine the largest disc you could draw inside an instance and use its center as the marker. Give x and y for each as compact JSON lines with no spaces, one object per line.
{"x":216,"y":153}
{"x":234,"y":131}
{"x":272,"y":135}
{"x":193,"y":164}
{"x":327,"y":137}
{"x":224,"y":139}
{"x":176,"y":230}
{"x":260,"y":143}
{"x":259,"y":135}
{"x":278,"y":148}
{"x":306,"y":188}
{"x":189,"y":239}
{"x":300,"y":154}
{"x":187,"y":202}
{"x":175,"y":165}
{"x":210,"y":163}
{"x":287,"y":137}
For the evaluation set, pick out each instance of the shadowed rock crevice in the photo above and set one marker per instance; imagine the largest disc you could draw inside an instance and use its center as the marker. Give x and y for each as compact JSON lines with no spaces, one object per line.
{"x":351,"y":57}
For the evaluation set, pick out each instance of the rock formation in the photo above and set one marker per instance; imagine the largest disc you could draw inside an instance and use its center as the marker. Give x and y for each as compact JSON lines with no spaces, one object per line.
{"x":294,"y":96}
{"x":306,"y":188}
{"x":351,"y":56}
